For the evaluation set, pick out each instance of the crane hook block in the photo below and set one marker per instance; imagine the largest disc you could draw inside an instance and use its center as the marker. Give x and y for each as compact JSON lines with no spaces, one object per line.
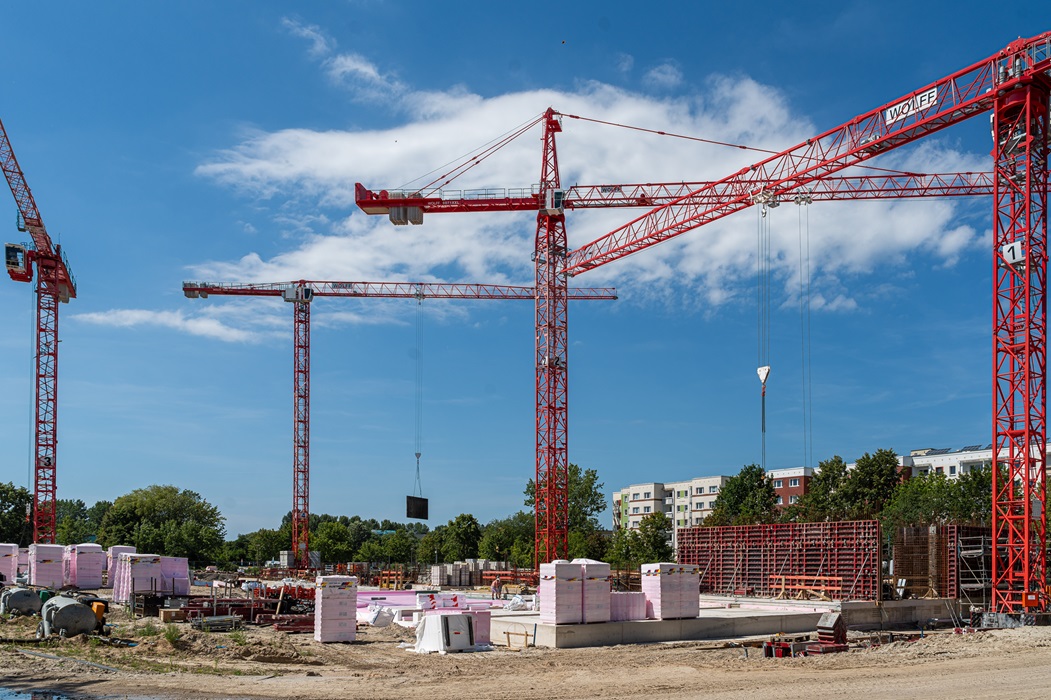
{"x":763,"y":373}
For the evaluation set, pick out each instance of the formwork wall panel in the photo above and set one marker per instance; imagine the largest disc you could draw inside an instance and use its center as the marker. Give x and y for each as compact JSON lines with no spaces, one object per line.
{"x":840,"y":560}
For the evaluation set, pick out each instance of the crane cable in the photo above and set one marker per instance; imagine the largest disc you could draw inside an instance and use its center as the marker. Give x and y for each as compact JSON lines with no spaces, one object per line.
{"x":803,"y":200}
{"x":418,"y":488}
{"x":763,"y":303}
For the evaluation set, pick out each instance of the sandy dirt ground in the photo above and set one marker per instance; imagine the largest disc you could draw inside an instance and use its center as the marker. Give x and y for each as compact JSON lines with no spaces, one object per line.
{"x":262,"y":663}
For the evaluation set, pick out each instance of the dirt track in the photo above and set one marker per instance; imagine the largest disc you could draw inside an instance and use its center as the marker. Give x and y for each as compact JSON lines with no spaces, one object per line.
{"x":1010,"y":664}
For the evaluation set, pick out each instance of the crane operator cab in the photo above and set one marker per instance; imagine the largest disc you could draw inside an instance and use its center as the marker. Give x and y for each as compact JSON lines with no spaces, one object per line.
{"x":15,"y":260}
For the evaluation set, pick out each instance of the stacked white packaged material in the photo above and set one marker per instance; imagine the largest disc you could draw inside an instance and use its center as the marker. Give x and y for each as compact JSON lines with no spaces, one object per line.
{"x":86,"y":562}
{"x":690,"y":590}
{"x":136,"y":573}
{"x":627,"y":605}
{"x":45,"y":565}
{"x":175,"y":573}
{"x":335,"y":608}
{"x":671,"y":590}
{"x":659,"y":583}
{"x":561,"y":593}
{"x":9,"y":563}
{"x":595,"y":591}
{"x":113,"y":556}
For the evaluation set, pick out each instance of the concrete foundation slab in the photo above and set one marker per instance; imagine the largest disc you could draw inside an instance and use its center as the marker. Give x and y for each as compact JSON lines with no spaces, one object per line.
{"x":718,"y":619}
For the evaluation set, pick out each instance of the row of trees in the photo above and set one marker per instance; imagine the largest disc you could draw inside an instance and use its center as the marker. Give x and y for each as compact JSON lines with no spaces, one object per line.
{"x":874,"y":488}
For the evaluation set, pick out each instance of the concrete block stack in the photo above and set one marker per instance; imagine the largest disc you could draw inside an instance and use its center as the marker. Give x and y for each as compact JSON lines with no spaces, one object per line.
{"x":336,"y":609}
{"x":561,"y":593}
{"x":136,"y":573}
{"x":175,"y":575}
{"x":671,"y":591}
{"x":112,"y":557}
{"x":83,"y":565}
{"x":594,"y":591}
{"x":627,"y":605}
{"x":45,"y":565}
{"x":8,"y":563}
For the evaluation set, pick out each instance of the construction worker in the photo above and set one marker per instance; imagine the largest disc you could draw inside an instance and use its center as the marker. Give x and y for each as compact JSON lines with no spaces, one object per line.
{"x":497,"y":588}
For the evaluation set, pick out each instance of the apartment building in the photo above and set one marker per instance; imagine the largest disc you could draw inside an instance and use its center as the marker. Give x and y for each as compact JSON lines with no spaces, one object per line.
{"x":684,"y":503}
{"x":790,"y":484}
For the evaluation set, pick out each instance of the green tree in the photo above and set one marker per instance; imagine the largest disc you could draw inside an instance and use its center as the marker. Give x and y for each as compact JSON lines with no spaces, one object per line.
{"x":71,"y":522}
{"x":235,"y":552}
{"x":461,"y":538}
{"x":973,"y":497}
{"x":747,"y":498}
{"x":265,"y":544}
{"x":332,"y":541}
{"x":654,"y":532}
{"x":870,"y":485}
{"x":625,"y":549}
{"x":430,"y":547}
{"x":500,"y":537}
{"x":164,"y":520}
{"x":922,"y":500}
{"x":586,"y":498}
{"x":372,"y":551}
{"x":588,"y":545}
{"x":400,"y":546}
{"x":822,"y":500}
{"x":16,"y":503}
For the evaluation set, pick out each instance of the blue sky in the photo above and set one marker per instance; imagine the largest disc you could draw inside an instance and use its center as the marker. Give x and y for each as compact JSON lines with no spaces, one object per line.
{"x":221,"y":141}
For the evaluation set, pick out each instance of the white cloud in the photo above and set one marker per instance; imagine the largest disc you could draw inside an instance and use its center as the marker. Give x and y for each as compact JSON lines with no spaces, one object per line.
{"x":625,"y":62}
{"x":665,"y":76}
{"x":312,"y":173}
{"x":175,"y":320}
{"x":320,"y":45}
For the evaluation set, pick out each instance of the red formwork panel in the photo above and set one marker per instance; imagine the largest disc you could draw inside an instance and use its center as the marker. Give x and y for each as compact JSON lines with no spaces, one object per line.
{"x":840,"y":561}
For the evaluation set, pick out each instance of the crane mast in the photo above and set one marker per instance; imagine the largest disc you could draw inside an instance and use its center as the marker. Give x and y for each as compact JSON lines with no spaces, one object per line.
{"x":54,"y":285}
{"x":301,"y":293}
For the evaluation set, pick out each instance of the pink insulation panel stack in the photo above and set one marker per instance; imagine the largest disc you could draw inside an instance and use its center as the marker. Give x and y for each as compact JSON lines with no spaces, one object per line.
{"x":627,"y":605}
{"x":112,"y":557}
{"x":561,"y":593}
{"x":175,"y":575}
{"x":595,"y":591}
{"x":136,"y":573}
{"x":83,"y":565}
{"x":671,"y":591}
{"x":8,"y":563}
{"x":335,"y":608}
{"x":45,"y":565}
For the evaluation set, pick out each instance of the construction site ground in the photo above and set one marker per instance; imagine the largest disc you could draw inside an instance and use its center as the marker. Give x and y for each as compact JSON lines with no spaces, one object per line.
{"x":262,"y":663}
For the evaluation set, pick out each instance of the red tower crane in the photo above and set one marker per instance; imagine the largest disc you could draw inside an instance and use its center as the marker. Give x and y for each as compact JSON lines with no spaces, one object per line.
{"x":54,"y":284}
{"x":1014,"y":86}
{"x":301,"y":293}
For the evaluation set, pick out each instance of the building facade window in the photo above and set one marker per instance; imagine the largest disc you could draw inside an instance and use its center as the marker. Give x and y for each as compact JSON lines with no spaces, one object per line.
{"x":711,"y":504}
{"x":647,"y":494}
{"x":780,"y":501}
{"x":713,"y":489}
{"x":635,"y":510}
{"x":700,"y":490}
{"x":793,"y":483}
{"x":952,"y":470}
{"x":646,"y":509}
{"x":778,"y":483}
{"x":634,"y":496}
{"x":698,"y":505}
{"x":793,"y":499}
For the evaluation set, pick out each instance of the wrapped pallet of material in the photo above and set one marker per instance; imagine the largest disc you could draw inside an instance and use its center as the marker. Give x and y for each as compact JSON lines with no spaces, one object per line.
{"x":660,"y":583}
{"x":23,"y":560}
{"x":175,"y":575}
{"x":335,"y":609}
{"x":8,"y":564}
{"x":561,"y":593}
{"x":627,"y":605}
{"x":85,"y":563}
{"x":136,"y":573}
{"x":112,"y":558}
{"x":690,"y":590}
{"x":595,"y":590}
{"x":46,"y":565}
